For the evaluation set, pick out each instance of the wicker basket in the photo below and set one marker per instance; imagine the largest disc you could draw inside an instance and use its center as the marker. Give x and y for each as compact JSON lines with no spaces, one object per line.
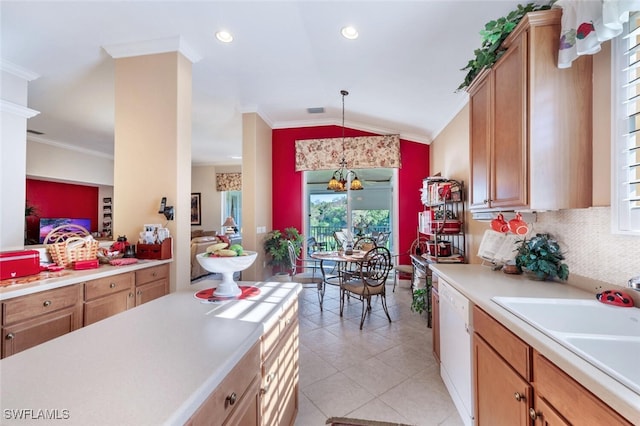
{"x":64,"y":256}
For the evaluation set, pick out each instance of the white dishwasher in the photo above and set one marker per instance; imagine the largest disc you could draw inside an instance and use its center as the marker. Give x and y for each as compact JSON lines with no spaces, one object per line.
{"x":455,"y":349}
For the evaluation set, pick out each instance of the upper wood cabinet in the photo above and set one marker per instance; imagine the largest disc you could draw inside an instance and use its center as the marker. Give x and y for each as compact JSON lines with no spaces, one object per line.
{"x":531,"y":124}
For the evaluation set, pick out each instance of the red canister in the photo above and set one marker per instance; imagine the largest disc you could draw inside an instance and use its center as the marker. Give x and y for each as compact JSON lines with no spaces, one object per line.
{"x":16,"y":264}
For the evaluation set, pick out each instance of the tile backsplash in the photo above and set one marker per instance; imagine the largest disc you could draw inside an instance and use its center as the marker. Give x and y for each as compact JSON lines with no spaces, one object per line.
{"x":590,"y":248}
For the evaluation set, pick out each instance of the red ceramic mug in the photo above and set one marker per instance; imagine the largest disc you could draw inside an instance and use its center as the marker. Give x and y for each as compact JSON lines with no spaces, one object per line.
{"x":518,"y":226}
{"x":499,"y":224}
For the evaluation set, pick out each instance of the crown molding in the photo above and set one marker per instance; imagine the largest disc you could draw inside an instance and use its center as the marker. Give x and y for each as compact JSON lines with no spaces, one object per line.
{"x":38,"y":139}
{"x":19,"y":110}
{"x":152,"y":47}
{"x":17,"y":70}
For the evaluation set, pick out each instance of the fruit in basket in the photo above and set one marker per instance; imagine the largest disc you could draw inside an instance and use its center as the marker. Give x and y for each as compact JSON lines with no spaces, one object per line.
{"x":237,"y":248}
{"x":216,"y":247}
{"x":226,"y":253}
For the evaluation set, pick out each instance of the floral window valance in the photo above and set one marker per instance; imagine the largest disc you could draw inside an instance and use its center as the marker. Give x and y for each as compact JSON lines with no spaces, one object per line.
{"x":362,"y":152}
{"x":228,"y":181}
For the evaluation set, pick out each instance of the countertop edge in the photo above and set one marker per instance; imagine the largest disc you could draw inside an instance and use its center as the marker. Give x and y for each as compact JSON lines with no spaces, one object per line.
{"x":75,"y":277}
{"x":615,"y":394}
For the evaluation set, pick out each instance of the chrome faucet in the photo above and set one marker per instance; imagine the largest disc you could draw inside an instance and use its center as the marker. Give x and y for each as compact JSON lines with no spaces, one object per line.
{"x":634,"y":283}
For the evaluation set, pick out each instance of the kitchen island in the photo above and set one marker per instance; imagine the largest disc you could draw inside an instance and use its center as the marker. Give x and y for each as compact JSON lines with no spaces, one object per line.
{"x":155,"y":364}
{"x":480,"y":284}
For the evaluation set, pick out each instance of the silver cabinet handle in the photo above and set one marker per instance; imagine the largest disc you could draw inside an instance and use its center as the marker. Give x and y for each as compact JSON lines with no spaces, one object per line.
{"x":10,"y":336}
{"x":231,"y":399}
{"x":269,"y":380}
{"x":46,"y":303}
{"x":112,"y":285}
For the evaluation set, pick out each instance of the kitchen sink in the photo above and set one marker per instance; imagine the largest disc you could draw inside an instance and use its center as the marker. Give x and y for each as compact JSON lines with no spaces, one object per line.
{"x":604,"y":335}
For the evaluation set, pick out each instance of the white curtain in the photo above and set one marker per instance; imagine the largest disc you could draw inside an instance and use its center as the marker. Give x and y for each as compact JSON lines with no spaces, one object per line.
{"x":588,"y":23}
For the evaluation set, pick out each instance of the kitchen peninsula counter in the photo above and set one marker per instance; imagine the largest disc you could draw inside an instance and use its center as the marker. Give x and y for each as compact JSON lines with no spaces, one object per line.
{"x":152,"y":365}
{"x":480,"y":283}
{"x":51,"y":280}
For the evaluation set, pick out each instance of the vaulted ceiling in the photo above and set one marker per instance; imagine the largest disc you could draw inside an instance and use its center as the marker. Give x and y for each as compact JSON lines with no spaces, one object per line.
{"x":287,"y":56}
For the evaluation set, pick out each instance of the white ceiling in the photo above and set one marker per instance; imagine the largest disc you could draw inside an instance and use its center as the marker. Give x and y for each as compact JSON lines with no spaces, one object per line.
{"x":287,"y":56}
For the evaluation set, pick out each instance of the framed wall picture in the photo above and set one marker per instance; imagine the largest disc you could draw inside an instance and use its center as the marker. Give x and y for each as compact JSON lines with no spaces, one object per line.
{"x":195,"y":209}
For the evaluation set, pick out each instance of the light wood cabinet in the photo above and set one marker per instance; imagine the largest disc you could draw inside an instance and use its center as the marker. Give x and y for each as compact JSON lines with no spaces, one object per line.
{"x":108,"y":296}
{"x":235,"y":400}
{"x":280,"y":370}
{"x":435,"y":310}
{"x":530,"y":124}
{"x":503,"y":394}
{"x":515,"y":385}
{"x":151,"y":283}
{"x":568,"y":399}
{"x":30,"y":320}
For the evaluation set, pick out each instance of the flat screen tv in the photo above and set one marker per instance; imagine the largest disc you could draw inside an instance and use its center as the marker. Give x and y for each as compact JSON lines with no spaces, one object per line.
{"x":49,"y":223}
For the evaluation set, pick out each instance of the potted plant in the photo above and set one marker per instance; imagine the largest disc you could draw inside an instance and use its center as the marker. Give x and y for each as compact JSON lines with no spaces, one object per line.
{"x":419,"y":303}
{"x":277,"y":249}
{"x":542,"y":258}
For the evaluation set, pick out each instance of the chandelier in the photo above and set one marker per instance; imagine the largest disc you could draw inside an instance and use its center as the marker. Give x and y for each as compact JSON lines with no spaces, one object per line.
{"x":338,"y":182}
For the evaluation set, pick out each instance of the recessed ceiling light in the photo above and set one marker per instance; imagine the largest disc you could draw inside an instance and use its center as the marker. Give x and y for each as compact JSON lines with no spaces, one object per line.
{"x":349,"y":32}
{"x":236,"y":157}
{"x":224,"y":36}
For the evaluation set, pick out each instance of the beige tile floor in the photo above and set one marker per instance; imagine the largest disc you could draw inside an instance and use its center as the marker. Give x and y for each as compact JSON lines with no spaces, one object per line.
{"x":385,"y":372}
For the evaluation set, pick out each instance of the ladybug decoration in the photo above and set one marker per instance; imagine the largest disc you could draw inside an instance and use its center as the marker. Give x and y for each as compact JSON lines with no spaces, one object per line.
{"x":615,"y":297}
{"x":120,"y":245}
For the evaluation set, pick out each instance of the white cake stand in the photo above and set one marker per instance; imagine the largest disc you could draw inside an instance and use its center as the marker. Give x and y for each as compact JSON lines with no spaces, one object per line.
{"x":227,"y":266}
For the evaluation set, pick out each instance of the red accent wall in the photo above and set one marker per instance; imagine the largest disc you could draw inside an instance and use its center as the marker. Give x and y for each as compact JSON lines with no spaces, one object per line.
{"x":56,"y":199}
{"x":287,"y":183}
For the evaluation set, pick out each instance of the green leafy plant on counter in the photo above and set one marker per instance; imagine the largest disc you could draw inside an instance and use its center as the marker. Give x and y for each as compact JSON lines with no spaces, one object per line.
{"x":492,"y":36}
{"x":541,"y":256}
{"x":277,"y":249}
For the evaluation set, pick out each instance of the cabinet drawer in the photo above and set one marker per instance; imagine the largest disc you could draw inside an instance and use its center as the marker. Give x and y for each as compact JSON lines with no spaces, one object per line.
{"x":570,"y":398}
{"x":154,"y":273}
{"x":25,"y":307}
{"x":235,"y":386}
{"x":109,"y":285}
{"x":516,"y":352}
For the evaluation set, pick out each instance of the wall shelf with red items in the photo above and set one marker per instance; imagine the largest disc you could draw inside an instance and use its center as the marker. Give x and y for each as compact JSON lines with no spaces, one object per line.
{"x":442,"y":220}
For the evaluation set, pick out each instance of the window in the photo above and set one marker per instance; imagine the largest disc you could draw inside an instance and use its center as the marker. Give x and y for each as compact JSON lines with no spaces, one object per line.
{"x":625,"y":193}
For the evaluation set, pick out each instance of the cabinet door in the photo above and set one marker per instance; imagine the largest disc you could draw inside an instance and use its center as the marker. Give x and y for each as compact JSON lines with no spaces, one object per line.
{"x":24,"y":335}
{"x":509,"y":150}
{"x":104,"y":307}
{"x":152,"y":290}
{"x":247,"y":413}
{"x":502,"y":396}
{"x":435,"y":307}
{"x":544,"y":415}
{"x":480,"y":110}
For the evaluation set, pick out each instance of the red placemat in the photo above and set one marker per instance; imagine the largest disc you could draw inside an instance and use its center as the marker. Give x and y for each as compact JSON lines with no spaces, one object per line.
{"x":247,"y":291}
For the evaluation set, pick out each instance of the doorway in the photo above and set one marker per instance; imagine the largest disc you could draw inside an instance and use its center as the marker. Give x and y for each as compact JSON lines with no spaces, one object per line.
{"x":371,"y":210}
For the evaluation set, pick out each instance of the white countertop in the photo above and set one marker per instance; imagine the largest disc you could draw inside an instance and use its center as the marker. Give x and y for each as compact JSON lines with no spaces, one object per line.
{"x":51,"y":280}
{"x":151,"y":365}
{"x":479,"y":284}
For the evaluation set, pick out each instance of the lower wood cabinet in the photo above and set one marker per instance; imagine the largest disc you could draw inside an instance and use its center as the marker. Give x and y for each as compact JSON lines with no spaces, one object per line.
{"x":435,"y":314}
{"x":235,"y":400}
{"x":516,"y":385}
{"x":152,"y":283}
{"x":108,"y":296}
{"x":280,"y":370}
{"x":30,"y":320}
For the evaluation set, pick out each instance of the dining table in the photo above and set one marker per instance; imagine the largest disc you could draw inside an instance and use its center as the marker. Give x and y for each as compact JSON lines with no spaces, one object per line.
{"x":342,"y":267}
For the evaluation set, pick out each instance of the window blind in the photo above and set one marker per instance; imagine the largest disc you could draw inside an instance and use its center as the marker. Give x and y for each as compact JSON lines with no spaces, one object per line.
{"x":627,"y":161}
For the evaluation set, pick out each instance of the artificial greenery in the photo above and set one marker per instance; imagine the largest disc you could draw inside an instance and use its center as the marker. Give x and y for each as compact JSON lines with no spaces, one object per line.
{"x":419,"y":303}
{"x":277,"y":249}
{"x":493,"y":34}
{"x":541,"y":255}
